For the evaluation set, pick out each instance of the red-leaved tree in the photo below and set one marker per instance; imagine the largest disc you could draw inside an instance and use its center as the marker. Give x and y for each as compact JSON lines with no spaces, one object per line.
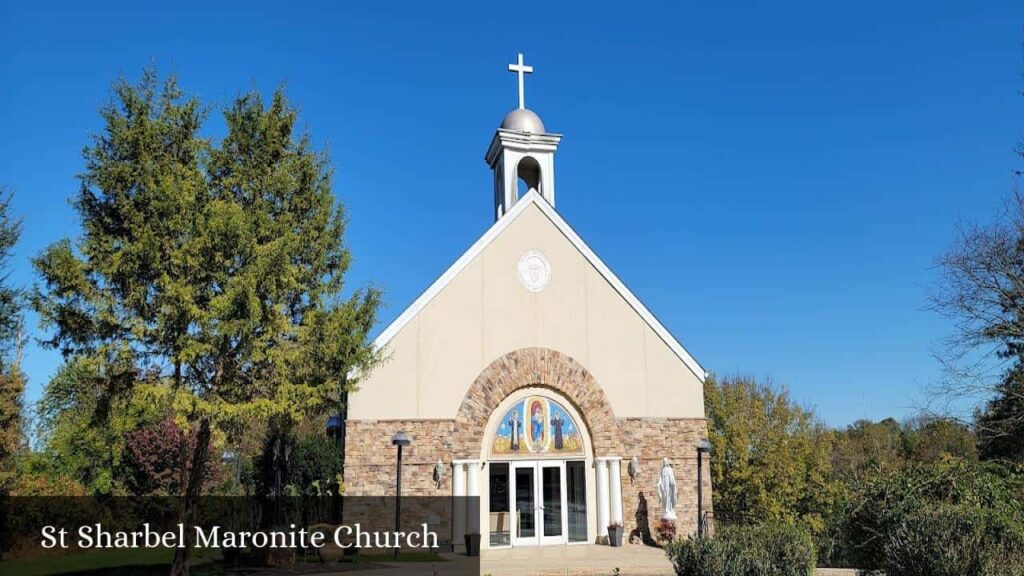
{"x":157,"y":459}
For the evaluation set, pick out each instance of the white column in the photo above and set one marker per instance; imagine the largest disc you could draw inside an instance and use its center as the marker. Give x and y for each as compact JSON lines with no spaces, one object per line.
{"x":473,"y":489}
{"x":459,"y":509}
{"x":615,"y":477}
{"x":602,"y":500}
{"x":510,"y":162}
{"x":548,"y":175}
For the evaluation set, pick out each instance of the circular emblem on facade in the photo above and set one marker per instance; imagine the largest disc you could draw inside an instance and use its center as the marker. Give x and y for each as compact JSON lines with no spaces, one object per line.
{"x":534,"y":271}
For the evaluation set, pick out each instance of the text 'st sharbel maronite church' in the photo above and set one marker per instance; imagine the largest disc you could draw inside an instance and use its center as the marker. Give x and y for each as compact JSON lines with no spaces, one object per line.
{"x":534,"y":377}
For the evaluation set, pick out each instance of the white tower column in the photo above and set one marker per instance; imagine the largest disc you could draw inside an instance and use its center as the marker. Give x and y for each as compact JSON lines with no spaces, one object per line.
{"x":459,"y":509}
{"x":615,"y":479}
{"x":602,"y":500}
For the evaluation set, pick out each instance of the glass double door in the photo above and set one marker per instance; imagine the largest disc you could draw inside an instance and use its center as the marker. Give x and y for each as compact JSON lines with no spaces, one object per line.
{"x":538,"y":503}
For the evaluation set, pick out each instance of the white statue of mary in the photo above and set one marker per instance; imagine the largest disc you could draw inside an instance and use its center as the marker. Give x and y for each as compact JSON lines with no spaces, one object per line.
{"x":667,"y":490}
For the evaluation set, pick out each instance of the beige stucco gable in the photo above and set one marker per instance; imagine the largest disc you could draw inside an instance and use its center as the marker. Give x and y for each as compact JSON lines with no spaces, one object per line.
{"x":479,"y":311}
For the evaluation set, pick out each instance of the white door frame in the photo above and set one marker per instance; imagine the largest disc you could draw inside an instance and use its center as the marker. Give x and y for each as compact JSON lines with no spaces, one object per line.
{"x":563,"y":533}
{"x":537,"y":468}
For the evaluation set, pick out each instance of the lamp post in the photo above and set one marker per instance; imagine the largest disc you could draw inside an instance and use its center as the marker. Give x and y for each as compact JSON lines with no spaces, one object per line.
{"x":230,"y":458}
{"x":703,"y":447}
{"x":336,"y":431}
{"x":400,"y":439}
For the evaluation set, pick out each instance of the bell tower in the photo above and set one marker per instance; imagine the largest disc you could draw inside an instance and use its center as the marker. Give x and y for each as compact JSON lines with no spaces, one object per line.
{"x":521,"y":154}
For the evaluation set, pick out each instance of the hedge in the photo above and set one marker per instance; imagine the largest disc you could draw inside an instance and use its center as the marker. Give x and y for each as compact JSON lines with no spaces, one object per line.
{"x":948,"y":519}
{"x":753,"y":550}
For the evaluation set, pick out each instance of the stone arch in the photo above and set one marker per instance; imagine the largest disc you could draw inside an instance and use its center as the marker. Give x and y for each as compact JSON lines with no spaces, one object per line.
{"x":531,"y":367}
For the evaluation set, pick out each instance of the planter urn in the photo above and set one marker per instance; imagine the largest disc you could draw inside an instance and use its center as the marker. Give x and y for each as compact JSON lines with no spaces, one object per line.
{"x":615,"y":536}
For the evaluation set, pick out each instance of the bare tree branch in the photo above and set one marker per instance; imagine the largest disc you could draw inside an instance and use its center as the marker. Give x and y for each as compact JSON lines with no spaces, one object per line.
{"x":981,"y":289}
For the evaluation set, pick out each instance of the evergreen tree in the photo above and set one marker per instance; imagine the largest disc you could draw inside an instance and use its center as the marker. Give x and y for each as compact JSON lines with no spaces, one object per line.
{"x":217,"y":269}
{"x":1000,"y":422}
{"x":85,"y":426}
{"x":12,"y":383}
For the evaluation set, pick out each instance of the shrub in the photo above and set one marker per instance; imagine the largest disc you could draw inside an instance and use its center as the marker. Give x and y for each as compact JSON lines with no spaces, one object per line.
{"x":753,"y":550}
{"x":698,"y":556}
{"x":947,"y":519}
{"x":316,"y":465}
{"x":953,"y":541}
{"x":307,"y":464}
{"x":157,"y":459}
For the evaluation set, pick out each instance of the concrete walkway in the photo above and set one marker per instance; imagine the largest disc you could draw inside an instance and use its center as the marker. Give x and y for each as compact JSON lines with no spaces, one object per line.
{"x":588,"y":560}
{"x":579,"y":560}
{"x":582,"y":559}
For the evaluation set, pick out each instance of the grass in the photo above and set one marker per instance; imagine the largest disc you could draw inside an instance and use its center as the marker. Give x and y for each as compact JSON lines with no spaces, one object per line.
{"x":108,"y":562}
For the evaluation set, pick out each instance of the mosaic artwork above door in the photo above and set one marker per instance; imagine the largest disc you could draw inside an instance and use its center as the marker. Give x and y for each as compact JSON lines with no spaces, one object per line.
{"x":537,"y":425}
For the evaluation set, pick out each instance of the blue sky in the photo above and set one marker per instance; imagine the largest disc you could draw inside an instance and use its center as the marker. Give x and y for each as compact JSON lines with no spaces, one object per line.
{"x":774,"y":180}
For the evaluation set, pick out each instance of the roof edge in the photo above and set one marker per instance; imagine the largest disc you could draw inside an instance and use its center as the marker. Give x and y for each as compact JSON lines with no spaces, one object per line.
{"x":492,"y":233}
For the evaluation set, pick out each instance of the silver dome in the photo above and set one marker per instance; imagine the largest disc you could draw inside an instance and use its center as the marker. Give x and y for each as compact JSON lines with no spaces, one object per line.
{"x":523,"y":120}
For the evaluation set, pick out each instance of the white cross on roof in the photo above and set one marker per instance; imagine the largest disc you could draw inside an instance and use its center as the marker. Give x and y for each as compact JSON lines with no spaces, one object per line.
{"x":521,"y":69}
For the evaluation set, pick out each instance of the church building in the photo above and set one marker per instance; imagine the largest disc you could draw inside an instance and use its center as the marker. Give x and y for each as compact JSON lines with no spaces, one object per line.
{"x":529,"y":375}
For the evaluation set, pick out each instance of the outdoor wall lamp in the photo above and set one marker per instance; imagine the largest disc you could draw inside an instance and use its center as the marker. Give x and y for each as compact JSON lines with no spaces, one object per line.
{"x":634,"y":468}
{"x":438,"y":474}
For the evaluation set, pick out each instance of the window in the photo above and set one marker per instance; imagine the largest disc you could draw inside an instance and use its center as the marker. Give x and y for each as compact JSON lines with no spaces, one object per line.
{"x":576,"y":499}
{"x":499,"y":513}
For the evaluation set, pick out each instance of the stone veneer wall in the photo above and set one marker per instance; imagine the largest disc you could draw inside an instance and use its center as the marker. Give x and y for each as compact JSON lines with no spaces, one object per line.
{"x":651,"y":440}
{"x":370,"y":457}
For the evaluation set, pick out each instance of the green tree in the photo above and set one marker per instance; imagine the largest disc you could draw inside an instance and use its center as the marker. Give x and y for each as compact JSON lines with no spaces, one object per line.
{"x":1000,"y":421}
{"x":84,"y":421}
{"x":12,"y":383}
{"x":317,"y":464}
{"x":771,"y":458}
{"x":217,"y":270}
{"x":935,"y":439}
{"x":866,"y":449}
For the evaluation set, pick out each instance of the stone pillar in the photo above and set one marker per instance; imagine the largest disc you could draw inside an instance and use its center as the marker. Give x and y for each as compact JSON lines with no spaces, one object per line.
{"x":473,"y":490}
{"x":459,"y":509}
{"x":602,"y":500}
{"x":615,"y":479}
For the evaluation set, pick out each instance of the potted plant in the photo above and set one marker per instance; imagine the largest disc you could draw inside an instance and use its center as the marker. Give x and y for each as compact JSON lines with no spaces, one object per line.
{"x":666,"y":531}
{"x":330,"y":552}
{"x":615,"y":534}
